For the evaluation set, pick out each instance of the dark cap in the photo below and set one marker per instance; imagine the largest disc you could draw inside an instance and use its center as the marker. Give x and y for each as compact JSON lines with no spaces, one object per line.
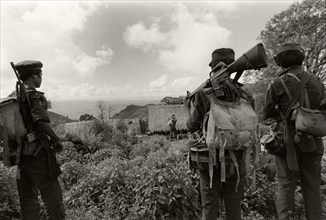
{"x":289,"y":46}
{"x":222,"y":54}
{"x":27,"y":68}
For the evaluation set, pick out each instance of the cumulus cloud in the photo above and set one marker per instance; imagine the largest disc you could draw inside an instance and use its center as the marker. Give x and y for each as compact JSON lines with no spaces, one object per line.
{"x":89,"y":91}
{"x":158,"y":83}
{"x":143,"y":38}
{"x":186,"y":47}
{"x":185,"y":83}
{"x":86,"y":65}
{"x":44,"y":30}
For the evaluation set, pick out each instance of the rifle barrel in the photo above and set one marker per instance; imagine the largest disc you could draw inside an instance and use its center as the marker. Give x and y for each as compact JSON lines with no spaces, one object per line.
{"x":198,"y":89}
{"x":21,"y":84}
{"x":14,"y":68}
{"x":207,"y":82}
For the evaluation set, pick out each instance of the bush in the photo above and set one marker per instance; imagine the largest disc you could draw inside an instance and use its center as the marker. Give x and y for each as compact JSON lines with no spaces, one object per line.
{"x":72,"y":172}
{"x":70,"y":153}
{"x":101,"y":188}
{"x":103,"y":154}
{"x":150,"y":144}
{"x":261,"y":200}
{"x":164,"y":192}
{"x":102,"y":129}
{"x":9,"y":201}
{"x":121,"y":126}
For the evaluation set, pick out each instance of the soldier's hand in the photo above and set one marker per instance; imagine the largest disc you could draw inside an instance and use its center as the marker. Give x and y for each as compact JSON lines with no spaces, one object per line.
{"x":57,"y":147}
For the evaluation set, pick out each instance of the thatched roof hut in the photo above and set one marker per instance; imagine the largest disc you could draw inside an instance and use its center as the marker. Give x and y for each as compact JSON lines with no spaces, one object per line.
{"x":158,"y":117}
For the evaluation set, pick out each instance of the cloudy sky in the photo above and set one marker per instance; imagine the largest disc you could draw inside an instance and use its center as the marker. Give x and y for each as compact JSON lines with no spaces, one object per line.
{"x":104,"y":50}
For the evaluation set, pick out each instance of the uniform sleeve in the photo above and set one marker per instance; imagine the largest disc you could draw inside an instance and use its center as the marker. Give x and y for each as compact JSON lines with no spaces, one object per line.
{"x":202,"y":105}
{"x":323,"y":101}
{"x":39,"y":107}
{"x":270,"y":110}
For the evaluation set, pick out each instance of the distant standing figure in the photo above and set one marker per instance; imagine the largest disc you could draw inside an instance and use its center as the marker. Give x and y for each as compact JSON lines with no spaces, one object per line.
{"x":172,"y":123}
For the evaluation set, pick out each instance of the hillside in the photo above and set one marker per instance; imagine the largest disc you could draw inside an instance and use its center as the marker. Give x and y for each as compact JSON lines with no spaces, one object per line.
{"x":132,"y":111}
{"x":75,"y":108}
{"x":58,"y":119}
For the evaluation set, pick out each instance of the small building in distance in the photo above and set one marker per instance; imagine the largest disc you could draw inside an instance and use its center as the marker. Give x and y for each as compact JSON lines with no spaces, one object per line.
{"x":158,"y":117}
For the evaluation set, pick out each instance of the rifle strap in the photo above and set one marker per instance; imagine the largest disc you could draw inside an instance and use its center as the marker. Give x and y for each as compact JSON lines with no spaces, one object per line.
{"x":21,"y":99}
{"x":237,"y":76}
{"x":293,"y":99}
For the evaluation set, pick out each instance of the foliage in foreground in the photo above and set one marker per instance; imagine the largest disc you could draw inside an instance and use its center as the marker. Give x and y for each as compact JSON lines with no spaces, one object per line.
{"x":145,"y":179}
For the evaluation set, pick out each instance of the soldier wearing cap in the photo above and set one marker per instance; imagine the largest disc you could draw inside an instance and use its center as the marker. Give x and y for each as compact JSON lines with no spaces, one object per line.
{"x":38,"y":168}
{"x":172,"y":121}
{"x":210,"y":197}
{"x":301,"y":160}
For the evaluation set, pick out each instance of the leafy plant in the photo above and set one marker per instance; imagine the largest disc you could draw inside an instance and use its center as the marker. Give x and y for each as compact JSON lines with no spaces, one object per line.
{"x":9,"y":202}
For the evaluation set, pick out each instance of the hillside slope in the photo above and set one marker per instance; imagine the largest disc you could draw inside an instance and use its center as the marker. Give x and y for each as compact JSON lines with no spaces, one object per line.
{"x":58,"y":119}
{"x":132,"y":111}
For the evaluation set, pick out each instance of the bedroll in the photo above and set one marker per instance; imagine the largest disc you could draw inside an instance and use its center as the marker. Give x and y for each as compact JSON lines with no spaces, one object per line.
{"x":12,"y":129}
{"x":230,"y":126}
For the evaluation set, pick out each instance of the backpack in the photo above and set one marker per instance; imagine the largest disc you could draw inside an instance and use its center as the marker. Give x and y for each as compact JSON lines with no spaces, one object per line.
{"x":228,"y":126}
{"x":307,"y":120}
{"x":12,"y":129}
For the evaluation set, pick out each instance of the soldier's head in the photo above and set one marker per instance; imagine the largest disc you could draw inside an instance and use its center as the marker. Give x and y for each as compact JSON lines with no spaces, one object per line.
{"x":289,"y":54}
{"x":225,"y":55}
{"x":30,"y":71}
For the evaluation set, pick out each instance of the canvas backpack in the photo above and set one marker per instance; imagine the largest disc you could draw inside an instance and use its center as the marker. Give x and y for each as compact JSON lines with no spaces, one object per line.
{"x":307,"y":120}
{"x":229,"y":126}
{"x":12,"y":129}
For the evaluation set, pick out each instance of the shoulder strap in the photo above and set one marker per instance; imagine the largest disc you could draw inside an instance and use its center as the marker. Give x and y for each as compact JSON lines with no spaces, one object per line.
{"x":306,"y":98}
{"x":293,"y":99}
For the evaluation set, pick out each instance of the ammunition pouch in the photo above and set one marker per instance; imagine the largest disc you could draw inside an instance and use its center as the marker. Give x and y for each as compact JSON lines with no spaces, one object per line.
{"x":198,"y":153}
{"x":31,"y":144}
{"x":305,"y":142}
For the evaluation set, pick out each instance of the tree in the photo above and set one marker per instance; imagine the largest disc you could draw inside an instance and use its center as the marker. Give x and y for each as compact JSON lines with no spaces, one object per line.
{"x":172,"y":100}
{"x":302,"y":23}
{"x":86,"y":117}
{"x":102,"y":107}
{"x":110,"y":110}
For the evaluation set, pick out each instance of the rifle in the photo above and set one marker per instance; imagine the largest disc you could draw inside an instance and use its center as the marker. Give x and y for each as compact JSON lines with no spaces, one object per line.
{"x":255,"y":58}
{"x":20,"y":85}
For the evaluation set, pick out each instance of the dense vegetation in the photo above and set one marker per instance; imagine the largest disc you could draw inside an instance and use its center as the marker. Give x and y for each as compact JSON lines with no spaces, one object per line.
{"x":108,"y":174}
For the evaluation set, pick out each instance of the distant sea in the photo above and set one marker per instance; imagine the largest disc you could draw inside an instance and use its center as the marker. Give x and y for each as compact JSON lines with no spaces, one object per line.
{"x":74,"y":109}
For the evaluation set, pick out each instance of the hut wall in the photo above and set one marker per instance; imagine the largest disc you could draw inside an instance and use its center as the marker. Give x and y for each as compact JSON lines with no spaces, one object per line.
{"x":158,"y":117}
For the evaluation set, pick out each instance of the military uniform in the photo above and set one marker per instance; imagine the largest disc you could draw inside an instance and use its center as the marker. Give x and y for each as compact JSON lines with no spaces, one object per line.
{"x":172,"y":123}
{"x":228,"y":190}
{"x":296,"y":164}
{"x":210,"y":197}
{"x":39,"y":170}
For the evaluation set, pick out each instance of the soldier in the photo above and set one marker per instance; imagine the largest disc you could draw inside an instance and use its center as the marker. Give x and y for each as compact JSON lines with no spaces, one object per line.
{"x":38,"y":168}
{"x":210,"y":197}
{"x":295,"y":163}
{"x":172,"y":123}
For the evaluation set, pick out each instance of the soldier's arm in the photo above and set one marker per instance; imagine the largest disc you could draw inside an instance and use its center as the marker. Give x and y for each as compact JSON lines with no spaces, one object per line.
{"x":46,"y":128}
{"x":41,"y":119}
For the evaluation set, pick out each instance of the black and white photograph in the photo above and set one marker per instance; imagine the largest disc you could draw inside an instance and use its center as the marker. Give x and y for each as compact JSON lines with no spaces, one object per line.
{"x":163,"y":110}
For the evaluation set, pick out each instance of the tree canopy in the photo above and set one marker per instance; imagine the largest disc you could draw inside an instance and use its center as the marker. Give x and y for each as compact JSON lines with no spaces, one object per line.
{"x":168,"y":100}
{"x":86,"y":117}
{"x":302,"y":23}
